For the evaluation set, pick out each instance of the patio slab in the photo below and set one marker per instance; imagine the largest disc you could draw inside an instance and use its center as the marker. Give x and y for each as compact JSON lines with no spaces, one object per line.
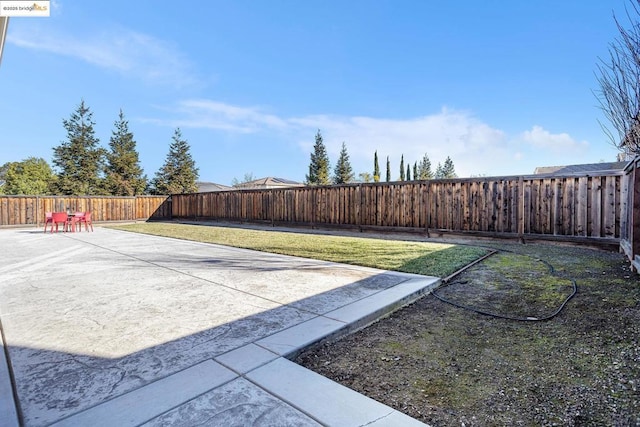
{"x":116,"y":328}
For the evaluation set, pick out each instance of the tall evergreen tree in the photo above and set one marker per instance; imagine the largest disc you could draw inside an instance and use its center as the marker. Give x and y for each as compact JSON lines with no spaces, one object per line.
{"x":376,"y":168}
{"x":408,"y":172}
{"x":448,"y":169}
{"x":319,"y":165}
{"x":424,"y":168}
{"x":415,"y":171}
{"x":343,"y":172}
{"x":439,"y":171}
{"x":79,"y":160}
{"x":402,"y":168}
{"x":124,"y":176}
{"x":179,"y":172}
{"x":388,"y":177}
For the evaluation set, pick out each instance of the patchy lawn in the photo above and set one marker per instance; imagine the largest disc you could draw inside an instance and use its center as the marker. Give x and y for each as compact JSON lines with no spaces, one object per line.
{"x":448,"y":366}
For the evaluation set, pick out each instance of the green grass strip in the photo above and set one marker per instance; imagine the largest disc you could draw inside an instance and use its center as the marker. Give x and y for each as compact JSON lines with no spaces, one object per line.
{"x":431,"y":259}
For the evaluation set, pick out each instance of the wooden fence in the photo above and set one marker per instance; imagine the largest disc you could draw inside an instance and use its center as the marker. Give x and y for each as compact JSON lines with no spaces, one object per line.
{"x":570,"y":207}
{"x":630,"y":213}
{"x":30,"y":210}
{"x":577,"y":206}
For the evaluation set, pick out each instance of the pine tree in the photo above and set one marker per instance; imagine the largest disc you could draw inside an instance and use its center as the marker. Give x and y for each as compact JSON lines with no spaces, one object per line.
{"x":424,"y":168}
{"x":439,"y":171}
{"x":402,"y":168}
{"x":124,"y":176}
{"x":388,"y":177}
{"x":80,"y":160}
{"x":448,"y":169}
{"x":179,"y":172}
{"x":343,"y":173}
{"x":319,"y":166}
{"x":415,"y":171}
{"x":376,"y":168}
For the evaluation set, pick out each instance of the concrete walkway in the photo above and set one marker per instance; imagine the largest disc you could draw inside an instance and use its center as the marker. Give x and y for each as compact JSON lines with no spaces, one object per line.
{"x":120,"y":329}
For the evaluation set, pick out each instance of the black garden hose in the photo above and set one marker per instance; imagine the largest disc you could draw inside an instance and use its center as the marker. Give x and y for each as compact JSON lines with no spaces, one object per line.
{"x":552,"y":271}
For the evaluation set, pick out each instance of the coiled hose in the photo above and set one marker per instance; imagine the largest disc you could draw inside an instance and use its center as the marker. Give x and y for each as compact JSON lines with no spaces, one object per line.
{"x":552,"y":271}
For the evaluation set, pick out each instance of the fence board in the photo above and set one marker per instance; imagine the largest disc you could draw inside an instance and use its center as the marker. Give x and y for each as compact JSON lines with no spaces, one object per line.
{"x":609,"y":207}
{"x":596,"y":206}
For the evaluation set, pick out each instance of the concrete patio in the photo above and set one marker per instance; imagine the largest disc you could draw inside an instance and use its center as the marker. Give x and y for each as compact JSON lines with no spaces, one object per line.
{"x":120,"y":329}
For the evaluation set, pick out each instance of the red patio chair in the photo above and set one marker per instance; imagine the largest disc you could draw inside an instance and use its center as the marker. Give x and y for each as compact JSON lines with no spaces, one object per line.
{"x":75,"y":219}
{"x":57,"y":218}
{"x":86,"y":219}
{"x":48,"y":219}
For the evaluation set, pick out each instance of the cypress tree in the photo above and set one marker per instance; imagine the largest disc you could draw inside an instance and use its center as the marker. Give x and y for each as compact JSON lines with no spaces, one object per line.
{"x":376,"y":168}
{"x":124,"y":176}
{"x":415,"y":171}
{"x":388,"y":177}
{"x":179,"y":173}
{"x":402,"y":168}
{"x":408,"y":172}
{"x":79,"y":159}
{"x":319,"y":165}
{"x":343,"y":173}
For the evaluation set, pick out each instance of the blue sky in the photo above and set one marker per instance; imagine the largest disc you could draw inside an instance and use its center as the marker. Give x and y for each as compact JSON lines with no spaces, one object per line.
{"x":499,"y":86}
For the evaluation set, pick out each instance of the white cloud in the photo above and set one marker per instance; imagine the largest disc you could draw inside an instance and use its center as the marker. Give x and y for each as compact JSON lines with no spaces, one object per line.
{"x":448,"y":133}
{"x":559,"y":142}
{"x":217,"y":115}
{"x":475,"y":147}
{"x":207,"y":114}
{"x":127,"y":52}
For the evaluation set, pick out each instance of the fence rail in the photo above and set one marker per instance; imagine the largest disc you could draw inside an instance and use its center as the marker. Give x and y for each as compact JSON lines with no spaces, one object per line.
{"x":576,"y":206}
{"x":30,"y":210}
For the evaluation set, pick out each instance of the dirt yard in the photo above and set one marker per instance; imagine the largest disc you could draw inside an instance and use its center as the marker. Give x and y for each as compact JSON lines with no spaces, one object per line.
{"x":450,"y":366}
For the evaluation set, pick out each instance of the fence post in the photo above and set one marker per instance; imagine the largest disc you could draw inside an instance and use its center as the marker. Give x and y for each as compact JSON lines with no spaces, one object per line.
{"x":313,"y":205}
{"x":635,"y":216}
{"x":37,"y":211}
{"x":428,"y":207}
{"x":361,"y":206}
{"x":521,"y":208}
{"x":272,"y":212}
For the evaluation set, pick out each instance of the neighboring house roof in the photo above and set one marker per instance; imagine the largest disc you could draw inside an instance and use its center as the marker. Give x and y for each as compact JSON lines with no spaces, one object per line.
{"x":586,"y":168}
{"x":269,"y":182}
{"x":207,"y":187}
